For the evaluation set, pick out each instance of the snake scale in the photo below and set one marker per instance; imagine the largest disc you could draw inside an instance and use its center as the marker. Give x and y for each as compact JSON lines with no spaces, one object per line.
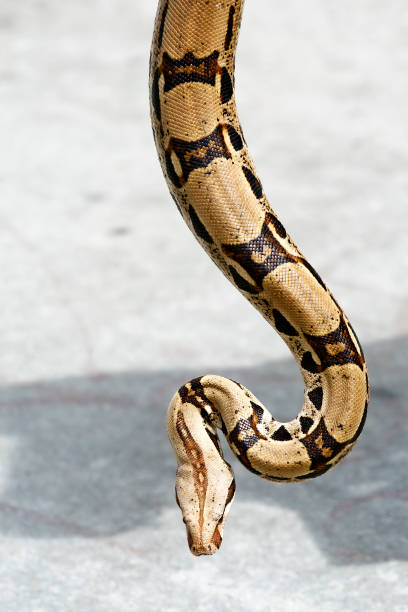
{"x":213,"y":181}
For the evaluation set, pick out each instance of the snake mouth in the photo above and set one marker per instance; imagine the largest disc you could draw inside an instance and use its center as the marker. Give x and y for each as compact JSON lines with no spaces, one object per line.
{"x":201,"y":548}
{"x":199,"y":551}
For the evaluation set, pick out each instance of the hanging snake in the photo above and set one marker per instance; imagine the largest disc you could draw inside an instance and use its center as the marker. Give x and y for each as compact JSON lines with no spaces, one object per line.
{"x":214,"y":184}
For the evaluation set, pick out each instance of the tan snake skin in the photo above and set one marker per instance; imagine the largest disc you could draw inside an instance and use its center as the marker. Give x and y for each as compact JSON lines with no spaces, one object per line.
{"x":214,"y":184}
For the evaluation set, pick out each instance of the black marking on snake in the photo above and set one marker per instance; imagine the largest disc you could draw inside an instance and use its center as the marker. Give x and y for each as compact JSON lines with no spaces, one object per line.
{"x":305,"y":423}
{"x":198,"y":226}
{"x":230,"y":28}
{"x":172,"y":174}
{"x":195,"y":394}
{"x":209,"y":428}
{"x":315,"y":274}
{"x":254,"y":183}
{"x":321,"y":446}
{"x":226,"y":86}
{"x":334,"y":348}
{"x":243,"y":438}
{"x":196,"y":154}
{"x":316,"y":397}
{"x":282,"y":434}
{"x":162,"y":22}
{"x":241,"y":283}
{"x":255,"y":419}
{"x":308,"y":363}
{"x":189,"y":69}
{"x":156,"y":94}
{"x":350,"y":326}
{"x":280,"y":230}
{"x":282,"y":324}
{"x":258,"y":257}
{"x":234,"y":137}
{"x":258,"y":410}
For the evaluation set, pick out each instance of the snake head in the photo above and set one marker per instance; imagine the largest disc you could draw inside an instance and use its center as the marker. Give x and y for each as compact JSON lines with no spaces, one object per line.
{"x":205,"y":503}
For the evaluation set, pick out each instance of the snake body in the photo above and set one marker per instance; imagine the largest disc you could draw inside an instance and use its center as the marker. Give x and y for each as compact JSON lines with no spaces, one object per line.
{"x":213,"y":181}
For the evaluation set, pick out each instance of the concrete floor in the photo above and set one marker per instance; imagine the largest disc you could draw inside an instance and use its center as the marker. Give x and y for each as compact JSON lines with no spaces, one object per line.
{"x":102,"y":319}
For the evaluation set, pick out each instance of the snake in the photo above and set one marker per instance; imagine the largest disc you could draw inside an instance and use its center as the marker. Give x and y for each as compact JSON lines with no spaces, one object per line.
{"x":213,"y":181}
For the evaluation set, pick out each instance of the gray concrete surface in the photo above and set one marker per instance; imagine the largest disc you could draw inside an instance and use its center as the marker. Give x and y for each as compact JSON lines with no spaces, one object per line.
{"x":108,"y":305}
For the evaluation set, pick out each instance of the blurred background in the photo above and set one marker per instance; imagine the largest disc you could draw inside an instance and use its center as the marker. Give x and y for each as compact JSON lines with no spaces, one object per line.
{"x":109,"y":304}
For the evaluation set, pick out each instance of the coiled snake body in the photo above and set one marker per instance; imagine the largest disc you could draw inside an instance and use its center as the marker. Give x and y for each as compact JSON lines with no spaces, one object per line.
{"x":214,"y":184}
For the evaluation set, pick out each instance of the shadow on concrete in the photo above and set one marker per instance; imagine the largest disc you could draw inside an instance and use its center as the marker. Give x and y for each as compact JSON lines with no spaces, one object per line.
{"x":90,"y":457}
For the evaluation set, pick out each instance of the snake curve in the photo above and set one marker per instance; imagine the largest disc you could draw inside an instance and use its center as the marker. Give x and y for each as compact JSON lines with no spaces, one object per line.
{"x":213,"y":181}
